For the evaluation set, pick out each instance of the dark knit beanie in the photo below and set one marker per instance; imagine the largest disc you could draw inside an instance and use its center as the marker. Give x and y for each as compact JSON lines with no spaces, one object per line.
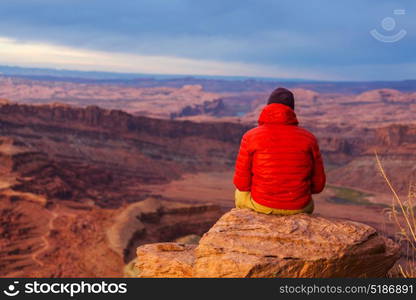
{"x":282,"y":96}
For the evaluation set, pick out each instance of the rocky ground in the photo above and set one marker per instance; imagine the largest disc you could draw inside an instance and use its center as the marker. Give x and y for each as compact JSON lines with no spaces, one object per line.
{"x":244,"y":243}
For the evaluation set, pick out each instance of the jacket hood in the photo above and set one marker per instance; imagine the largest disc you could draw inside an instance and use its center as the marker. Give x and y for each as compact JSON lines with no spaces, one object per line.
{"x":276,"y":113}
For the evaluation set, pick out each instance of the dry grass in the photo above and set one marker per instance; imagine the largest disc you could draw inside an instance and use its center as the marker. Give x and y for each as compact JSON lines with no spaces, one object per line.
{"x":403,"y":213}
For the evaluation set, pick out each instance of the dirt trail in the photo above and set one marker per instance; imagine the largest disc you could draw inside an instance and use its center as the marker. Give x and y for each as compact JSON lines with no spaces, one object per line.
{"x":45,"y":241}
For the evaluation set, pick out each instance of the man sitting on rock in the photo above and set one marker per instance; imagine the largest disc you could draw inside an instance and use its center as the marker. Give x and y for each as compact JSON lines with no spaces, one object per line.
{"x":279,"y":165}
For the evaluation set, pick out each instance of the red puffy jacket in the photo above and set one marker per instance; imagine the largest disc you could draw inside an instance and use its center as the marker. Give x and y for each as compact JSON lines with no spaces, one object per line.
{"x":279,"y":162}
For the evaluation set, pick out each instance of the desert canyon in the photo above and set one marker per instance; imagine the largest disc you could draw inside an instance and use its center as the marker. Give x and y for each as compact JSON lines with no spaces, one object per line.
{"x":90,"y":170}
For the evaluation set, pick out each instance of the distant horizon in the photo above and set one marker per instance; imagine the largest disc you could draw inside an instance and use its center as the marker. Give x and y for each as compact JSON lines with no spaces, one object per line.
{"x":22,"y":71}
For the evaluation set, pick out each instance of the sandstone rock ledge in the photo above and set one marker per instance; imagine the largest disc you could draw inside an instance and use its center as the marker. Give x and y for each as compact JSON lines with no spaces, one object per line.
{"x":244,"y":243}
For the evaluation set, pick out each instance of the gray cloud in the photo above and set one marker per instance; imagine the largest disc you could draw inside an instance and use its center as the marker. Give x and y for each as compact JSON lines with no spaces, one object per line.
{"x":320,"y":35}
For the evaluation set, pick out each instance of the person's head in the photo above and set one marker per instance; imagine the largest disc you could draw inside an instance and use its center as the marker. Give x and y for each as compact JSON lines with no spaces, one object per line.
{"x":282,"y":96}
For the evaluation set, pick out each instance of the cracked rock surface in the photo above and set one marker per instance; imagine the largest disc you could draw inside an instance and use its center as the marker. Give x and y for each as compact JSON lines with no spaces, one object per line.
{"x":244,"y":243}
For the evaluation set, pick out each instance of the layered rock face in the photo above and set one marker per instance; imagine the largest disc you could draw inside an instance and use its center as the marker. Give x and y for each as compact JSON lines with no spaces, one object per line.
{"x":70,"y":239}
{"x":213,"y":108}
{"x":156,"y":101}
{"x":365,"y":110}
{"x":154,"y":220}
{"x":244,"y":243}
{"x":108,"y":157}
{"x":68,"y":175}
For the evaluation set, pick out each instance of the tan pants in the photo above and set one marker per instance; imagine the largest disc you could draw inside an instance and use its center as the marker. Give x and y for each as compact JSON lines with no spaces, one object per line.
{"x":244,"y":200}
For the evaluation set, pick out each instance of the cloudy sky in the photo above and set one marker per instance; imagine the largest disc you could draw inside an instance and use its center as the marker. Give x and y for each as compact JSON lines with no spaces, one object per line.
{"x":323,"y":39}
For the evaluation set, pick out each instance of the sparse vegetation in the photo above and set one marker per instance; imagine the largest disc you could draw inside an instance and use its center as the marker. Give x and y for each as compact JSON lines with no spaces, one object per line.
{"x":403,"y":213}
{"x":345,"y":195}
{"x":130,"y":270}
{"x":331,"y":166}
{"x":189,"y":239}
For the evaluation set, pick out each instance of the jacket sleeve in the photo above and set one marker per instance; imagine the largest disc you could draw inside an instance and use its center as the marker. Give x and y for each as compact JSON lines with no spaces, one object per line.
{"x":318,"y":171}
{"x":242,"y":175}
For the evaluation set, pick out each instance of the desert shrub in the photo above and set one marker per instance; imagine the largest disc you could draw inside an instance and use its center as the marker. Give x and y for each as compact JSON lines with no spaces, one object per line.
{"x":403,"y":212}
